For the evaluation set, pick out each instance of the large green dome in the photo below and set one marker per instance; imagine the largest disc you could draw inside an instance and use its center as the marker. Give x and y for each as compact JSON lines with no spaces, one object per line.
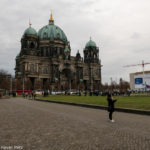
{"x":90,"y":43}
{"x":52,"y":32}
{"x":30,"y":31}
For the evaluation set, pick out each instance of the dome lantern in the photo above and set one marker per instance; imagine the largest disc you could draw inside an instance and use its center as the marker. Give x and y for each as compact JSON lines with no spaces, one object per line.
{"x":51,"y":20}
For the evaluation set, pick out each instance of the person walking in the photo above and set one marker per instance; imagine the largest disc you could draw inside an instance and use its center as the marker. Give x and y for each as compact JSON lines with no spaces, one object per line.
{"x":111,"y":108}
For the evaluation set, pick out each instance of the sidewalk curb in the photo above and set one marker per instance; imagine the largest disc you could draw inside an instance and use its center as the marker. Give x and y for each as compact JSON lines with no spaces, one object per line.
{"x":126,"y":110}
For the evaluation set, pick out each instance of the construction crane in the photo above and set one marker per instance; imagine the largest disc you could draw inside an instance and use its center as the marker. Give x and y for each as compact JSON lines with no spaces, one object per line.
{"x":143,"y":65}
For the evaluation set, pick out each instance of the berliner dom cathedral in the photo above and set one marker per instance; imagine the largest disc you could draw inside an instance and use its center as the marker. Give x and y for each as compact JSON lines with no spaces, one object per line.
{"x":45,"y":61}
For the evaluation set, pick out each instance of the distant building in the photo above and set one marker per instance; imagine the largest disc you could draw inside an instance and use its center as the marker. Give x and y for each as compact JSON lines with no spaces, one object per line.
{"x":46,"y":57}
{"x":5,"y":76}
{"x":140,"y":81}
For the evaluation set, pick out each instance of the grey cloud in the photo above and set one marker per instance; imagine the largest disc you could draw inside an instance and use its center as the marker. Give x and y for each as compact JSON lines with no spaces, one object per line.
{"x":135,"y":35}
{"x":120,"y":29}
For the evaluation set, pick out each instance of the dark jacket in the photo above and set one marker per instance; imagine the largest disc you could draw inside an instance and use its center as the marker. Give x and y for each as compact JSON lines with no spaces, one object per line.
{"x":111,"y":104}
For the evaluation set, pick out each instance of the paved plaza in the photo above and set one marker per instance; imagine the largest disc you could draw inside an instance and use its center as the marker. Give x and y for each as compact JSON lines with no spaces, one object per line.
{"x":33,"y":125}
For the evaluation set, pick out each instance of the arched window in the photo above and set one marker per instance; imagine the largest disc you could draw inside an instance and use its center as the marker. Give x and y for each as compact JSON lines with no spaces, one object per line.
{"x":61,"y":51}
{"x":31,"y":68}
{"x":58,"y":50}
{"x":45,"y":35}
{"x":32,"y":45}
{"x":45,"y":70}
{"x":48,"y":51}
{"x":44,"y":51}
{"x":58,"y":35}
{"x":25,"y":44}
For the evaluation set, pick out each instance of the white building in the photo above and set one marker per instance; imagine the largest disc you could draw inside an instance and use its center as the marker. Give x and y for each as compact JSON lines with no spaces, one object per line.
{"x":140,"y":80}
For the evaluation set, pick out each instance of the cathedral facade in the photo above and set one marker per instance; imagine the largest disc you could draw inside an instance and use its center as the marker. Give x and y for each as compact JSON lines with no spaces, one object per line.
{"x":45,"y":61}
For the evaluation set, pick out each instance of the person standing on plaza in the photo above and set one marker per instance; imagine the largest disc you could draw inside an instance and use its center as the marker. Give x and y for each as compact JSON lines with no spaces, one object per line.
{"x":111,"y":108}
{"x":34,"y":95}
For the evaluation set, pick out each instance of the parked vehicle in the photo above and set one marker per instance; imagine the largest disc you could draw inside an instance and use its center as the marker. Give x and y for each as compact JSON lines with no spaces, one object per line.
{"x":39,"y":92}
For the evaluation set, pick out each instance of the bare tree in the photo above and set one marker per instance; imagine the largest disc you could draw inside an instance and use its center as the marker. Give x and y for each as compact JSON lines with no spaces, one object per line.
{"x":74,"y":84}
{"x":123,"y":85}
{"x":28,"y":84}
{"x":47,"y":85}
{"x":105,"y":87}
{"x":18,"y":84}
{"x":3,"y":72}
{"x":81,"y":86}
{"x":38,"y":84}
{"x":4,"y":80}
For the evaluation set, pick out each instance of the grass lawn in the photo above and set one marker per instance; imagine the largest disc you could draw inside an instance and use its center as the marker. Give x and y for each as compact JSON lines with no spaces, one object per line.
{"x":135,"y":102}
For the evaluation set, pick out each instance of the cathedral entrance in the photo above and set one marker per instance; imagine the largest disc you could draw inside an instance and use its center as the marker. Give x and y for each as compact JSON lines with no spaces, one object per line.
{"x":85,"y":85}
{"x":32,"y":79}
{"x":96,"y":86}
{"x":43,"y":83}
{"x":66,"y":79}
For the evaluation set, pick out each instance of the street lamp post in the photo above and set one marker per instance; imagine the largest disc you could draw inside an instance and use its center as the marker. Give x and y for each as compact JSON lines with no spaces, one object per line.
{"x":23,"y":85}
{"x":70,"y":85}
{"x":11,"y":84}
{"x":20,"y":73}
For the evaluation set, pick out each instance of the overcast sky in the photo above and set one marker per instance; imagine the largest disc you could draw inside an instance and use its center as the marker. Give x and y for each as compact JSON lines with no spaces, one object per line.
{"x":120,"y":28}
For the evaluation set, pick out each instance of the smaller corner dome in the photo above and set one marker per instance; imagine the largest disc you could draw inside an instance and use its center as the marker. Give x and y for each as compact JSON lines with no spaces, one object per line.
{"x":30,"y":31}
{"x":90,"y":43}
{"x":18,"y":55}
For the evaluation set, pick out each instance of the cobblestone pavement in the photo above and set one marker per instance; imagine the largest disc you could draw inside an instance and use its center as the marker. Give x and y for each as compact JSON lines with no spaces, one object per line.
{"x":34,"y":125}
